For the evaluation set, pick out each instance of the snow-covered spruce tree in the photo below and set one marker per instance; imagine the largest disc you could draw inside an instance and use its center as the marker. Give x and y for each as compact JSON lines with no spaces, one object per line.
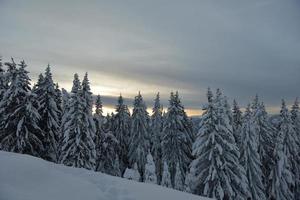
{"x":121,"y":130}
{"x":139,"y":141}
{"x":216,"y":169}
{"x":179,"y":185}
{"x":133,"y":173}
{"x":186,"y":121}
{"x":3,"y":85}
{"x":250,"y":159}
{"x":87,"y":97}
{"x":58,"y":100}
{"x":48,"y":110}
{"x":156,"y":129}
{"x":78,"y":147}
{"x":236,"y":122}
{"x":176,"y":140}
{"x":150,"y":174}
{"x":291,"y":148}
{"x":99,"y":134}
{"x":19,"y":129}
{"x":295,"y":116}
{"x":109,"y":147}
{"x":265,"y":136}
{"x":281,"y":176}
{"x":166,"y":177}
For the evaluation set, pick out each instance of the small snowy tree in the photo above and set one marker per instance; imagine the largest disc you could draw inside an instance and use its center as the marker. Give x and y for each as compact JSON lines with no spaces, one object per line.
{"x":132,"y":174}
{"x":216,"y":169}
{"x":156,"y":129}
{"x":166,"y":177}
{"x":139,"y":142}
{"x":78,"y":147}
{"x":19,"y":129}
{"x":250,"y":159}
{"x":150,"y":174}
{"x":121,"y":130}
{"x":179,"y":179}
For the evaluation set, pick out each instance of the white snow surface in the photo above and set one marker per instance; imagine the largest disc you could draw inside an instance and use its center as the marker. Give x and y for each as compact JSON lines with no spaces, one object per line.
{"x":23,"y":177}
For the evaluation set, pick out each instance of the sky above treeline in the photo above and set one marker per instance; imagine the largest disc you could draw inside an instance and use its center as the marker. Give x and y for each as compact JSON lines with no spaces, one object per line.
{"x":243,"y":47}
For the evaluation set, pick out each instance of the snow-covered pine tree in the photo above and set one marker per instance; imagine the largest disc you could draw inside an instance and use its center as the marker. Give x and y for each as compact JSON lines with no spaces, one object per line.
{"x":132,"y":173}
{"x":179,"y":185}
{"x":108,"y":154}
{"x":295,"y":116}
{"x":150,"y":174}
{"x":3,"y":85}
{"x":156,"y":129}
{"x":281,"y":176}
{"x":38,"y":85}
{"x":99,"y":135}
{"x":216,"y":169}
{"x":78,"y":147}
{"x":250,"y":158}
{"x":176,"y":140}
{"x":236,"y":122}
{"x":58,"y":100}
{"x":286,"y":128}
{"x":19,"y":129}
{"x":139,"y":141}
{"x":121,"y":130}
{"x":265,"y":137}
{"x":166,"y":177}
{"x":107,"y":126}
{"x":186,"y":121}
{"x":48,"y":110}
{"x":87,"y":97}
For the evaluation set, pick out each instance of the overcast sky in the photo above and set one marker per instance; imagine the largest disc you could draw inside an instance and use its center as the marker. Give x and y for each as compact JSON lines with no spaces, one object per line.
{"x":243,"y":47}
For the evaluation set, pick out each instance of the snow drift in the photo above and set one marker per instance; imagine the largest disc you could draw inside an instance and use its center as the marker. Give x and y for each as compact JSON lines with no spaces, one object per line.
{"x":24,"y":177}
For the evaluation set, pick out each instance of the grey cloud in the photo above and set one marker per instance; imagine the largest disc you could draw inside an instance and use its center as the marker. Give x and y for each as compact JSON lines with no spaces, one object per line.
{"x":243,"y":47}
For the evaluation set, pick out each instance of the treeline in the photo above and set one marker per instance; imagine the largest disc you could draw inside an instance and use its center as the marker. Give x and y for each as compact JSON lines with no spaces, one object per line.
{"x":233,"y":155}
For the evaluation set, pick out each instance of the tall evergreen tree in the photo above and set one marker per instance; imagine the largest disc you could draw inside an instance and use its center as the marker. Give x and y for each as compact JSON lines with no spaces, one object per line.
{"x":295,"y":116}
{"x":250,"y":159}
{"x":58,"y":100}
{"x":265,"y":136}
{"x":121,"y":130}
{"x":156,"y":129}
{"x":176,"y":139}
{"x":3,"y":85}
{"x":78,"y":147}
{"x":236,"y":122}
{"x":139,"y":142}
{"x":19,"y":130}
{"x":48,"y":110}
{"x":216,"y":169}
{"x":282,"y":177}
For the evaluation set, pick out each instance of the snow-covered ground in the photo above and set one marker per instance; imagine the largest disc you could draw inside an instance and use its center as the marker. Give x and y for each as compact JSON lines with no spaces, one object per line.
{"x":24,"y":177}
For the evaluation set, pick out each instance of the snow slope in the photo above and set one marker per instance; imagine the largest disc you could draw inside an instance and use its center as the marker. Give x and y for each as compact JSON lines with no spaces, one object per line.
{"x":24,"y":177}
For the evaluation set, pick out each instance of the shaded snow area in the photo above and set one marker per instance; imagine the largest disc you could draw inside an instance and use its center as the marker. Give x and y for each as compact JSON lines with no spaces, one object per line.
{"x":24,"y":177}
